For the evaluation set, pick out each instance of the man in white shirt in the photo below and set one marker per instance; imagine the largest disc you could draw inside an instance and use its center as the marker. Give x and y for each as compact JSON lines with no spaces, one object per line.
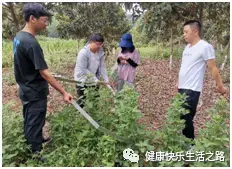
{"x":196,"y":55}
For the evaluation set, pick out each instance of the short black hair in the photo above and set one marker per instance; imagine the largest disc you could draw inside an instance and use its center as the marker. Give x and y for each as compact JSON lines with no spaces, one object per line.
{"x":194,"y":23}
{"x":96,"y":37}
{"x":35,"y":9}
{"x":131,"y":49}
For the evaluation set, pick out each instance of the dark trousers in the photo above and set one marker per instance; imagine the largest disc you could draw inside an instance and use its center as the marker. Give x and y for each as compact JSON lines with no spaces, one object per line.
{"x":192,"y":101}
{"x":81,"y":95}
{"x":34,"y":113}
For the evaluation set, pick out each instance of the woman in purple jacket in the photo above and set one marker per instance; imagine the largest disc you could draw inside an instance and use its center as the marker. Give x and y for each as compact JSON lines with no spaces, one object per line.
{"x":128,"y":59}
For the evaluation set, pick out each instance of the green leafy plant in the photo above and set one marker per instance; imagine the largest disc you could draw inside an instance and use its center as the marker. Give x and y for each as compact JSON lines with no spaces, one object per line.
{"x":215,"y":137}
{"x":170,"y":138}
{"x":77,"y":143}
{"x":14,"y":149}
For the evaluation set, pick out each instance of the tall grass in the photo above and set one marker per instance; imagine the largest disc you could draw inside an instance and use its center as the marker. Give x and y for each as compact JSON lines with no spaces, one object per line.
{"x":158,"y":52}
{"x":60,"y":52}
{"x":56,"y":51}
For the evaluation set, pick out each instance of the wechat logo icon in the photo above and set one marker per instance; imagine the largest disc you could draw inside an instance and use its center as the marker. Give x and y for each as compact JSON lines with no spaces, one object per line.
{"x":128,"y":154}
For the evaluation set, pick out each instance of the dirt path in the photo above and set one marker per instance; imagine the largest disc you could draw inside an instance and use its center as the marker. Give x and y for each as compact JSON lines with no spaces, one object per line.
{"x":156,"y":85}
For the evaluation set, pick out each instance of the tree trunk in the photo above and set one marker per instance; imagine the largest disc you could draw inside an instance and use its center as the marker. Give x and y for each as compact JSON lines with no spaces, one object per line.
{"x":201,"y":18}
{"x":114,"y":68}
{"x":225,"y":59}
{"x":78,"y":45}
{"x":162,"y":49}
{"x":11,"y":8}
{"x":171,"y":42}
{"x":113,"y":51}
{"x":201,"y":35}
{"x":228,"y":48}
{"x":200,"y":103}
{"x":170,"y":63}
{"x":223,"y":64}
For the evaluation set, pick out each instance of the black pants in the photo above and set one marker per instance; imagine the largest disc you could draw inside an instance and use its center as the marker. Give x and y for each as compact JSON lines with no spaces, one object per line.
{"x":192,"y":101}
{"x":80,"y":93}
{"x":34,"y":113}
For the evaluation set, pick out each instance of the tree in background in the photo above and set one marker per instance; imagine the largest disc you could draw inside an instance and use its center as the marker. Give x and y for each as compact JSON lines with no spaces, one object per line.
{"x":79,"y":20}
{"x":166,"y":19}
{"x":12,"y":18}
{"x":155,"y":22}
